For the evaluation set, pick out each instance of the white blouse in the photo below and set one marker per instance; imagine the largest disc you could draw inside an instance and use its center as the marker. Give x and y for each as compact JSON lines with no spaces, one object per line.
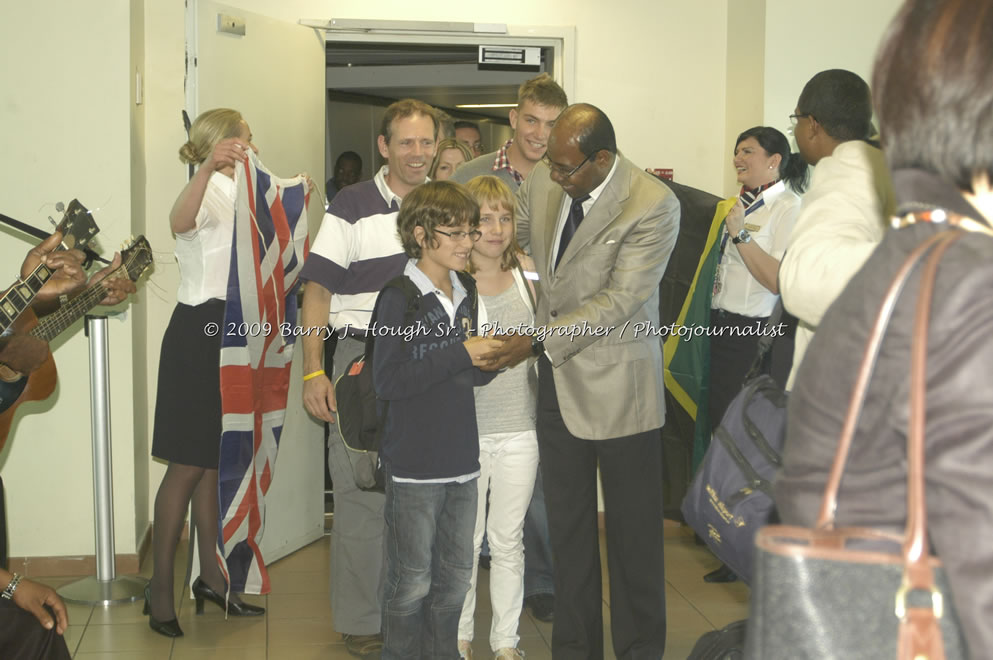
{"x":204,"y":252}
{"x":770,"y":226}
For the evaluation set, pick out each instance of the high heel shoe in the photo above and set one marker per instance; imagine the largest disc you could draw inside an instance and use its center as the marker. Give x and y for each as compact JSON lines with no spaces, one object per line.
{"x":168,"y":628}
{"x":202,"y":592}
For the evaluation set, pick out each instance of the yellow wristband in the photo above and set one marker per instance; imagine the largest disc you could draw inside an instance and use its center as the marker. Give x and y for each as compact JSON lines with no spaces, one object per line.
{"x":314,"y":374}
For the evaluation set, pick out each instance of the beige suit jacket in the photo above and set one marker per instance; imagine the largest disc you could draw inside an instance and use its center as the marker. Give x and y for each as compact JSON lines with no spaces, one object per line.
{"x":599,"y":310}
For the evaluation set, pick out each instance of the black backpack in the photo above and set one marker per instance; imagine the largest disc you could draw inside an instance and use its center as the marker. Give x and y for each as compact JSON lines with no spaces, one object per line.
{"x":727,"y":643}
{"x":360,"y":423}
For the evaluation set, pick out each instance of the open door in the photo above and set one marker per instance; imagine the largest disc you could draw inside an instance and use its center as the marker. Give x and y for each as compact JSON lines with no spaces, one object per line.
{"x":274,"y":74}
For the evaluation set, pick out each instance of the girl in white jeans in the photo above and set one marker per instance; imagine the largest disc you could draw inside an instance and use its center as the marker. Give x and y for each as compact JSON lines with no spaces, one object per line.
{"x":505,"y":413}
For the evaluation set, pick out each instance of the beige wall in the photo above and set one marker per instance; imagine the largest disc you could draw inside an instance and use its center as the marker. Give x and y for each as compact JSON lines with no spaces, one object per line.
{"x":804,"y":37}
{"x":66,"y":131}
{"x":668,"y":73}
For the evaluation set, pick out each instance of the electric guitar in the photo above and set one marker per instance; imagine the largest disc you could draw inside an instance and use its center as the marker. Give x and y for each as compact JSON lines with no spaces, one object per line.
{"x":16,"y":388}
{"x":78,"y":229}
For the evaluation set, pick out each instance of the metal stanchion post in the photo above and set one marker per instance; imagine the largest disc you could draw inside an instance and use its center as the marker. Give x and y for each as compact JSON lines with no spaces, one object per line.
{"x":105,"y":588}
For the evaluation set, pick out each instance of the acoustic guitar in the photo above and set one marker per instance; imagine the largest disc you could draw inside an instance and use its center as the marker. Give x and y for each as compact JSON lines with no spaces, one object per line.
{"x":78,"y":229}
{"x":16,"y":388}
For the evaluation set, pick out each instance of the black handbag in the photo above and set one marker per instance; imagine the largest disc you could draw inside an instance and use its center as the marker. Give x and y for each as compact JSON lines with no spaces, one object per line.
{"x":859,"y":593}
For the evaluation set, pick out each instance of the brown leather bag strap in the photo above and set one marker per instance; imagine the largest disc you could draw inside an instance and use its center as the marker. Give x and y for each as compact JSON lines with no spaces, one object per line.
{"x":829,"y":503}
{"x":919,"y":634}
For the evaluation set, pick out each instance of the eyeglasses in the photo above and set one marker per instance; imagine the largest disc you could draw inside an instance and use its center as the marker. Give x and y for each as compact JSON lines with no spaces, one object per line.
{"x":457,"y":236}
{"x":794,"y":118}
{"x":561,"y":171}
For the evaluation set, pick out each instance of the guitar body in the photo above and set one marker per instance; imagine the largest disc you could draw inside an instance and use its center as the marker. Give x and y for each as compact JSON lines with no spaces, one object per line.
{"x":17,"y":388}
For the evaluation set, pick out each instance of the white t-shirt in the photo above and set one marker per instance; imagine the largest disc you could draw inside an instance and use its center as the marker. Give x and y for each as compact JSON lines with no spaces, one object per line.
{"x":204,"y":252}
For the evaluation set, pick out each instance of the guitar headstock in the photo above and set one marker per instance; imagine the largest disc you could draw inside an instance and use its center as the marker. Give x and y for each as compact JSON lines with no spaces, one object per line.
{"x":136,"y":257}
{"x":77,"y":226}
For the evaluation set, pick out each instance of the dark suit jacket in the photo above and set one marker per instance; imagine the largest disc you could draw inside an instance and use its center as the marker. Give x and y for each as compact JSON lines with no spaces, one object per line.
{"x":600,"y":306}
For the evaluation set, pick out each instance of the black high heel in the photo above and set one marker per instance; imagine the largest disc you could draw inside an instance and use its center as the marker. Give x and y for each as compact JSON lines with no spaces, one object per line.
{"x":202,"y":591}
{"x":168,"y":628}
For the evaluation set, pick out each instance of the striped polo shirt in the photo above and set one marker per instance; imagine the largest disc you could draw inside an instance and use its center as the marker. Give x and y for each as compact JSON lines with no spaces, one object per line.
{"x":357,"y":250}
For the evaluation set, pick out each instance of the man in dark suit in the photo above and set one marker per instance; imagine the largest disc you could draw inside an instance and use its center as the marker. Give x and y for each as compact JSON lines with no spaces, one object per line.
{"x":600,"y":231}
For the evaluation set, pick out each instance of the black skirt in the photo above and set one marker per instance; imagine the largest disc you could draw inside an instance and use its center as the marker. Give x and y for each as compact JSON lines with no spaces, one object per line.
{"x":188,"y":403}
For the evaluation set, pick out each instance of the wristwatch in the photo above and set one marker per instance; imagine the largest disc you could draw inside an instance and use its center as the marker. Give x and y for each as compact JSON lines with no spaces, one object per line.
{"x":742,"y":237}
{"x":537,"y":346}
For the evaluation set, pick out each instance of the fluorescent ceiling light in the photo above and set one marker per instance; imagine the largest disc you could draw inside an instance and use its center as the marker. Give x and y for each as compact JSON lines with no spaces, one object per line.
{"x":486,"y":105}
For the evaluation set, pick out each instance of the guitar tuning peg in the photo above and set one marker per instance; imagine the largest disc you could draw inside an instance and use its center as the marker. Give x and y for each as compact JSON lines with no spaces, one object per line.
{"x":54,"y":224}
{"x":60,"y":207}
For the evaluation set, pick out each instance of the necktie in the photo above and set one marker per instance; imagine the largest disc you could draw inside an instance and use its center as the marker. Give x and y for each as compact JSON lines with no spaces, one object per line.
{"x":571,"y":224}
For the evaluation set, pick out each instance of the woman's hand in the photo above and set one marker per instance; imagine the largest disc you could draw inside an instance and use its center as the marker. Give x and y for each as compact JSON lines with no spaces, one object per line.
{"x":735,"y":220}
{"x":228,"y":153}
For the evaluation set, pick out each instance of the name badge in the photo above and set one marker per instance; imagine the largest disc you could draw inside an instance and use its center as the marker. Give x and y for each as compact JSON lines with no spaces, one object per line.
{"x":531,"y":275}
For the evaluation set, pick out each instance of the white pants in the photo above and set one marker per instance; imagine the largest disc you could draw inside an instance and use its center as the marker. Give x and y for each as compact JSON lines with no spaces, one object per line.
{"x":508,"y":463}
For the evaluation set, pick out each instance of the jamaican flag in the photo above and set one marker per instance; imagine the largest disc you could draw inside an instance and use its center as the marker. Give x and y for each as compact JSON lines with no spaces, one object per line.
{"x":687,"y":357}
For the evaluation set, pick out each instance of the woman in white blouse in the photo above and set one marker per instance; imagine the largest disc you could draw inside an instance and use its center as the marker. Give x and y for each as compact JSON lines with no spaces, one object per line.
{"x":188,"y":403}
{"x":756,"y":232}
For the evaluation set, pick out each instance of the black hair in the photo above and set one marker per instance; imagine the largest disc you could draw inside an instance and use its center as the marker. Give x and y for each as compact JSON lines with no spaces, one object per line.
{"x":597,"y":133}
{"x":934,"y":89}
{"x":840,"y":101}
{"x":467,"y":124}
{"x":792,"y":168}
{"x":348,"y":155}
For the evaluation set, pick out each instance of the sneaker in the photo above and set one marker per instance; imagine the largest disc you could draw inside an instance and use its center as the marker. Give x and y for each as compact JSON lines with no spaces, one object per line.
{"x":509,"y":654}
{"x":367,"y":647}
{"x":465,"y":649}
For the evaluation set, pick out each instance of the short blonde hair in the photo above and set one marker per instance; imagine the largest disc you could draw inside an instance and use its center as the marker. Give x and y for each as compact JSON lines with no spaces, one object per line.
{"x":493,"y":192}
{"x":207,"y":130}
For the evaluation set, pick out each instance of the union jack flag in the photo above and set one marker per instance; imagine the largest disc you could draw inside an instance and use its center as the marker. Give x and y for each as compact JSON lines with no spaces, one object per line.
{"x":269,"y":247}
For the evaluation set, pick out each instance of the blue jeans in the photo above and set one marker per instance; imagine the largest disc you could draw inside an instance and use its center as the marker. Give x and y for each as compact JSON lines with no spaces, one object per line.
{"x":539,"y":569}
{"x":429,"y":556}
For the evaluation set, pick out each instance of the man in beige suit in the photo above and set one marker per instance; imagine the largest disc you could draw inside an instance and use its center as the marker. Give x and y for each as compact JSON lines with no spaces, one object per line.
{"x":600,"y":231}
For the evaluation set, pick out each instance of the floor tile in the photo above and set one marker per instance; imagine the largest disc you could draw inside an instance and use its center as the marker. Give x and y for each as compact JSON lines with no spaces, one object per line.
{"x":122,"y":637}
{"x":299,"y":606}
{"x":310,"y":652}
{"x":298,"y":624}
{"x":144,"y":654}
{"x":72,"y":635}
{"x":183,"y":653}
{"x":218,"y":633}
{"x":300,"y":632}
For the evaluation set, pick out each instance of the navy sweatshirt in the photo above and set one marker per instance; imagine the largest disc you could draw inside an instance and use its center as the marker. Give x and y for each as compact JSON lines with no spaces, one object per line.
{"x":427,"y":376}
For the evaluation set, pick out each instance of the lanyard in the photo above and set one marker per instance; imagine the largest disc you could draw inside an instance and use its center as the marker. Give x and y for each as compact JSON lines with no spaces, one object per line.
{"x":724,"y":239}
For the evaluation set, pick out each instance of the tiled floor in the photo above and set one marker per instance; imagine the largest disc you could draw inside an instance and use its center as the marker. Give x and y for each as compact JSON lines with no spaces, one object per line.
{"x":298,"y":623}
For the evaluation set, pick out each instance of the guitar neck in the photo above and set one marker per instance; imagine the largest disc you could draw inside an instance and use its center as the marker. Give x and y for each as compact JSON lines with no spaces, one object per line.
{"x":50,"y":326}
{"x":17,"y":299}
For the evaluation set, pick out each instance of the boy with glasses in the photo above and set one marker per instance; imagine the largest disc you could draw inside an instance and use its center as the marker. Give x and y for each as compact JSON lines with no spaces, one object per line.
{"x":430,"y":446}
